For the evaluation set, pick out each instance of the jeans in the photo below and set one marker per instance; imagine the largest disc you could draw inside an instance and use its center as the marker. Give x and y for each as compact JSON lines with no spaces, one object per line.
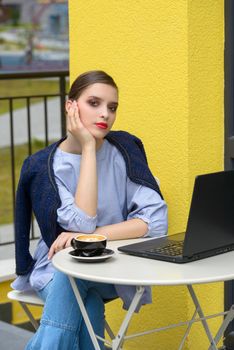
{"x":62,"y":326}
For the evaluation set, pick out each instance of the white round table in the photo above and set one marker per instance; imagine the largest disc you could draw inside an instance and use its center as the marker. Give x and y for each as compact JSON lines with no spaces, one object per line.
{"x":131,"y":270}
{"x":140,"y":272}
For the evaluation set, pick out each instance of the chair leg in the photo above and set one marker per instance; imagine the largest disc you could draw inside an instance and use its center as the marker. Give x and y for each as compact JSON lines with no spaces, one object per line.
{"x":30,"y":315}
{"x":111,"y":334}
{"x":109,"y":330}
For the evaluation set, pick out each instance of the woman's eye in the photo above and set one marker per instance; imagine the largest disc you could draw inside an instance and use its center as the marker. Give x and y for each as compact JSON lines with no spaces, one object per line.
{"x":113,"y":109}
{"x":93,"y":103}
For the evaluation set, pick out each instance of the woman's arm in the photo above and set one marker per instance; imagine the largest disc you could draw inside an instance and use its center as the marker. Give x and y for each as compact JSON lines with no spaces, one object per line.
{"x":86,"y":191}
{"x":147,"y":217}
{"x":133,"y":228}
{"x":85,"y":196}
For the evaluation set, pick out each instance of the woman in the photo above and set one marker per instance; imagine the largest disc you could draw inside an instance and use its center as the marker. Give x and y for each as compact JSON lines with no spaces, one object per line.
{"x":93,"y":181}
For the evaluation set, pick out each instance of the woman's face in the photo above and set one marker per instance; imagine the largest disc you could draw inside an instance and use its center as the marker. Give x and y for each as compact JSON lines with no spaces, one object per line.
{"x":97,"y":107}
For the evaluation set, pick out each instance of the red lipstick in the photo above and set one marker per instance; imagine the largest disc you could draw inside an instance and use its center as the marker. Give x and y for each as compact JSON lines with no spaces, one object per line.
{"x":101,"y":125}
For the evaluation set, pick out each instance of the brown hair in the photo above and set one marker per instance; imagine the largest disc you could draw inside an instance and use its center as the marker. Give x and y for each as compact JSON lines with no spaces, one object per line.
{"x":88,"y":78}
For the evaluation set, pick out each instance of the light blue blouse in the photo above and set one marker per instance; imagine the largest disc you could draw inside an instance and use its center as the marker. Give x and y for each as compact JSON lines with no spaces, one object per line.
{"x":119,"y":199}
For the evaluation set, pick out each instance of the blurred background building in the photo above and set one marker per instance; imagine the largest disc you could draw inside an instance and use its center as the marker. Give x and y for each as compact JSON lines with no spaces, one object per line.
{"x":33,"y":34}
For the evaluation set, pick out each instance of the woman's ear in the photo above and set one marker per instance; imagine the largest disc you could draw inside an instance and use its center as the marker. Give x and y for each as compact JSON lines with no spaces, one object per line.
{"x":68,"y":105}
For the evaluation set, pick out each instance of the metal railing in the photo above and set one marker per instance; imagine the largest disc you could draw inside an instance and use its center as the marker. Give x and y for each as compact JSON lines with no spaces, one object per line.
{"x":42,"y":117}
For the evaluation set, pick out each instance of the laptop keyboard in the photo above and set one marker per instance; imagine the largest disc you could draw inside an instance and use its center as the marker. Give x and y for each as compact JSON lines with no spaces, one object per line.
{"x":172,"y":248}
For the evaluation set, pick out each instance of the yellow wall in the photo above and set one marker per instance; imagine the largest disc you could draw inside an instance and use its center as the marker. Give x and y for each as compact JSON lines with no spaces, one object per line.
{"x":167,"y":58}
{"x":206,"y":115}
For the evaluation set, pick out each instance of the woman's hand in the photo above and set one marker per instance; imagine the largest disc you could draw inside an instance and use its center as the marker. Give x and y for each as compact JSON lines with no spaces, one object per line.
{"x":76,"y":127}
{"x":61,"y":242}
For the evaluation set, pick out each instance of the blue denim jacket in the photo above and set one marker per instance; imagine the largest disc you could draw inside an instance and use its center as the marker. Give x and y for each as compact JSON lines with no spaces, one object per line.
{"x":37,"y":192}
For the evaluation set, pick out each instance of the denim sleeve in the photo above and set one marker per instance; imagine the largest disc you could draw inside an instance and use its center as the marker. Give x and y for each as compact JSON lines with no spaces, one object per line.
{"x":146,"y":204}
{"x":23,"y":211}
{"x":70,"y":217}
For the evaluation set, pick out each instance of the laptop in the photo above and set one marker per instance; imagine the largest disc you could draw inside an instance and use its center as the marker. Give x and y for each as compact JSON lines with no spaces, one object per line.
{"x":210,"y":226}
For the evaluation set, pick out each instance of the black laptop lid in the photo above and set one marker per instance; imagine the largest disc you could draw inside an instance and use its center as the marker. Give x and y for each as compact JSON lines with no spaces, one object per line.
{"x":211,"y":218}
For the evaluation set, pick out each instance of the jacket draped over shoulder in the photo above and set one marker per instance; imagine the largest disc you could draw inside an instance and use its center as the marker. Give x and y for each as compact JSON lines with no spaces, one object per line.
{"x":37,"y":192}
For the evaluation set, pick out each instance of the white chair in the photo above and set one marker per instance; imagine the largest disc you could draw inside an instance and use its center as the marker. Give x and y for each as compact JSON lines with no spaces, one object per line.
{"x":31,"y":298}
{"x":27,"y":298}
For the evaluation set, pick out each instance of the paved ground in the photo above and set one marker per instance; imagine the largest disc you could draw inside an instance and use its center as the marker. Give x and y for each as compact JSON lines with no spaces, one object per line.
{"x":6,"y":235}
{"x":37,"y":123}
{"x":7,"y":232}
{"x":13,"y":338}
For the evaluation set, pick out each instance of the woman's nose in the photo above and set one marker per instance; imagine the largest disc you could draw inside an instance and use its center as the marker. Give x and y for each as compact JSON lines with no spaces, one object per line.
{"x":104,"y":113}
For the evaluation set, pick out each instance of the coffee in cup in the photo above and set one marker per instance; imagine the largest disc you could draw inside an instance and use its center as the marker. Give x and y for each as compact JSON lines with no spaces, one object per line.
{"x":89,"y":245}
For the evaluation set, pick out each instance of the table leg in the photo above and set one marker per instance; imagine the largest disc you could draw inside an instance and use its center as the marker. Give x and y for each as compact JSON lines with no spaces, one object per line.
{"x":201,"y":314}
{"x":187,"y":330}
{"x":84,"y":313}
{"x":229,"y":317}
{"x":118,"y":341}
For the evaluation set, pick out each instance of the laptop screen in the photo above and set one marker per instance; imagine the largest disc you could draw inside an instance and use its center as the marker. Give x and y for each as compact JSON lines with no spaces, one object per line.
{"x":211,"y":217}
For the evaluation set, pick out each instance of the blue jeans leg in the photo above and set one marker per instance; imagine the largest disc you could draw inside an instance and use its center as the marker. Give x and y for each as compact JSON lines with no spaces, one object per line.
{"x":61,"y":322}
{"x":94,"y":301}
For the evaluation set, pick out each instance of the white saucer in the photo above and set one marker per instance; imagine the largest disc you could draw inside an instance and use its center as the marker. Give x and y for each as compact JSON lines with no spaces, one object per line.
{"x":107,"y":253}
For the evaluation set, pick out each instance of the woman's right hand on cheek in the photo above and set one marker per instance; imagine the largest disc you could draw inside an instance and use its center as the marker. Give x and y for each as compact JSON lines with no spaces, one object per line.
{"x":77,"y":128}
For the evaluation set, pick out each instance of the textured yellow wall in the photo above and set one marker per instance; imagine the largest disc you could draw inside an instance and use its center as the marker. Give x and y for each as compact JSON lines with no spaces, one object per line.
{"x":206,"y":116}
{"x":167,"y":58}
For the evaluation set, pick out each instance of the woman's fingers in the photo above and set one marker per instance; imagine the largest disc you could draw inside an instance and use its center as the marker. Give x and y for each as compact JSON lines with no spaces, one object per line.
{"x":51,"y":251}
{"x":61,"y":242}
{"x":75,"y":123}
{"x":76,"y":127}
{"x":73,"y":114}
{"x":68,"y":243}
